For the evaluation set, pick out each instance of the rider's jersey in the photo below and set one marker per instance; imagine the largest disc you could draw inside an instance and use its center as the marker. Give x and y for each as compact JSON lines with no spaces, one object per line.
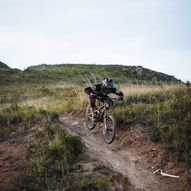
{"x":101,"y":91}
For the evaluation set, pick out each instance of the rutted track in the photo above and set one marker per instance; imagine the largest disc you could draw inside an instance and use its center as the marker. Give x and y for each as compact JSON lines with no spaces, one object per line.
{"x":119,"y":157}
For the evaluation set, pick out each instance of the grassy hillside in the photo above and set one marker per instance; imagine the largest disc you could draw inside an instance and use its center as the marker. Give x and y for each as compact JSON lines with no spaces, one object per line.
{"x":81,"y":73}
{"x":166,"y":114}
{"x":78,"y":73}
{"x":46,"y":156}
{"x":8,"y":75}
{"x":33,"y":99}
{"x":3,"y":65}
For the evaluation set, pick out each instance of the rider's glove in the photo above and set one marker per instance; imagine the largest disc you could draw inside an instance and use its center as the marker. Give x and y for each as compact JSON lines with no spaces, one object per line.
{"x":92,"y":95}
{"x":121,"y":98}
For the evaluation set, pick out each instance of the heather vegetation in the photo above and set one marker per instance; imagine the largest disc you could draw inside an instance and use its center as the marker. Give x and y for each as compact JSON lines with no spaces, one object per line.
{"x":15,"y":119}
{"x":168,"y":113}
{"x":40,"y":94}
{"x":56,"y":163}
{"x":81,"y":73}
{"x":56,"y":157}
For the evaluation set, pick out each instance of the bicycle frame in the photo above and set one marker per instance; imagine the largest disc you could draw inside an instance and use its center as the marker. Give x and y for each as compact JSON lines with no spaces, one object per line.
{"x":104,"y":108}
{"x":100,"y":113}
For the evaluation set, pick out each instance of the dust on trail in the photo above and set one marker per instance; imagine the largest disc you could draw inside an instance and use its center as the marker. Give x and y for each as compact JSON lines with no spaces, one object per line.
{"x":118,"y":156}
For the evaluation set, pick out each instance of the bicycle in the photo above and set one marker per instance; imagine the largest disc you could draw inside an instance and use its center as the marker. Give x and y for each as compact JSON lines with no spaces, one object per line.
{"x":103,"y":115}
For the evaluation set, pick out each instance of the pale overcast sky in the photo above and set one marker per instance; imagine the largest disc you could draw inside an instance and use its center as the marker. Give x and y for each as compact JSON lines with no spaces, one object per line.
{"x":153,"y":33}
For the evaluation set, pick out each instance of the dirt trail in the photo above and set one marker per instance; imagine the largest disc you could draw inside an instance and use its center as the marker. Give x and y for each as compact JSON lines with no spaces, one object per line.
{"x":120,"y":157}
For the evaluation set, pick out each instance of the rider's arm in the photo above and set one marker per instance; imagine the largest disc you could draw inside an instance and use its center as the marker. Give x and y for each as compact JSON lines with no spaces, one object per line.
{"x":91,"y":93}
{"x":119,"y":93}
{"x":90,"y":90}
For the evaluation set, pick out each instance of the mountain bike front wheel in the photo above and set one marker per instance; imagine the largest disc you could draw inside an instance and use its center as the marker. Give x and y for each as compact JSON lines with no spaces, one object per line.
{"x":89,"y":123}
{"x":109,"y":129}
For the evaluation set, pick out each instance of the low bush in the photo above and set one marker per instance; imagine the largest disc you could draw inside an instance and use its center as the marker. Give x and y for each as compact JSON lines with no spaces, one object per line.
{"x":169,"y":116}
{"x":125,"y":183}
{"x":14,"y":117}
{"x":173,"y":119}
{"x":131,"y":114}
{"x":52,"y":163}
{"x":101,"y":182}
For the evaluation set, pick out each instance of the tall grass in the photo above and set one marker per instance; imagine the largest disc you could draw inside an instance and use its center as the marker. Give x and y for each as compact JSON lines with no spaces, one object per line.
{"x":165,"y":107}
{"x":15,"y":119}
{"x":133,"y":89}
{"x":167,"y":111}
{"x":60,"y":97}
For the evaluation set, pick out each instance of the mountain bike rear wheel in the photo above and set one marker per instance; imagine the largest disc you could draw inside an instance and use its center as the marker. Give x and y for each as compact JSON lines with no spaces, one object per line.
{"x":109,"y":129}
{"x":89,"y":123}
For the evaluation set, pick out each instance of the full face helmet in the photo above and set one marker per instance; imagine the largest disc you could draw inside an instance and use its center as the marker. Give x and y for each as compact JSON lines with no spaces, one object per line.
{"x":108,"y":83}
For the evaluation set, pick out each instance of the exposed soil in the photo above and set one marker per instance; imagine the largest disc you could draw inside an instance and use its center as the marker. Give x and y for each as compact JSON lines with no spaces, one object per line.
{"x":14,"y":152}
{"x":15,"y":159}
{"x":133,"y":155}
{"x":12,"y":161}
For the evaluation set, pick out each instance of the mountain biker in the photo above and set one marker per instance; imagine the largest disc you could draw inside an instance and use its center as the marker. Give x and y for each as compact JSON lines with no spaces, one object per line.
{"x":100,"y":92}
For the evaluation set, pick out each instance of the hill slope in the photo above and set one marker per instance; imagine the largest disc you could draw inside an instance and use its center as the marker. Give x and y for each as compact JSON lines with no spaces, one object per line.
{"x":81,"y":73}
{"x":8,"y":75}
{"x":3,"y":65}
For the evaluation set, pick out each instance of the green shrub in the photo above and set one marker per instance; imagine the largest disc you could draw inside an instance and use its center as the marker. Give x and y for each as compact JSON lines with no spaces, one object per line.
{"x":75,"y":147}
{"x":52,"y":162}
{"x":15,"y":118}
{"x":169,"y":117}
{"x":101,"y":183}
{"x":86,"y":183}
{"x":131,"y":114}
{"x":100,"y":167}
{"x":125,"y":183}
{"x":174,"y":121}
